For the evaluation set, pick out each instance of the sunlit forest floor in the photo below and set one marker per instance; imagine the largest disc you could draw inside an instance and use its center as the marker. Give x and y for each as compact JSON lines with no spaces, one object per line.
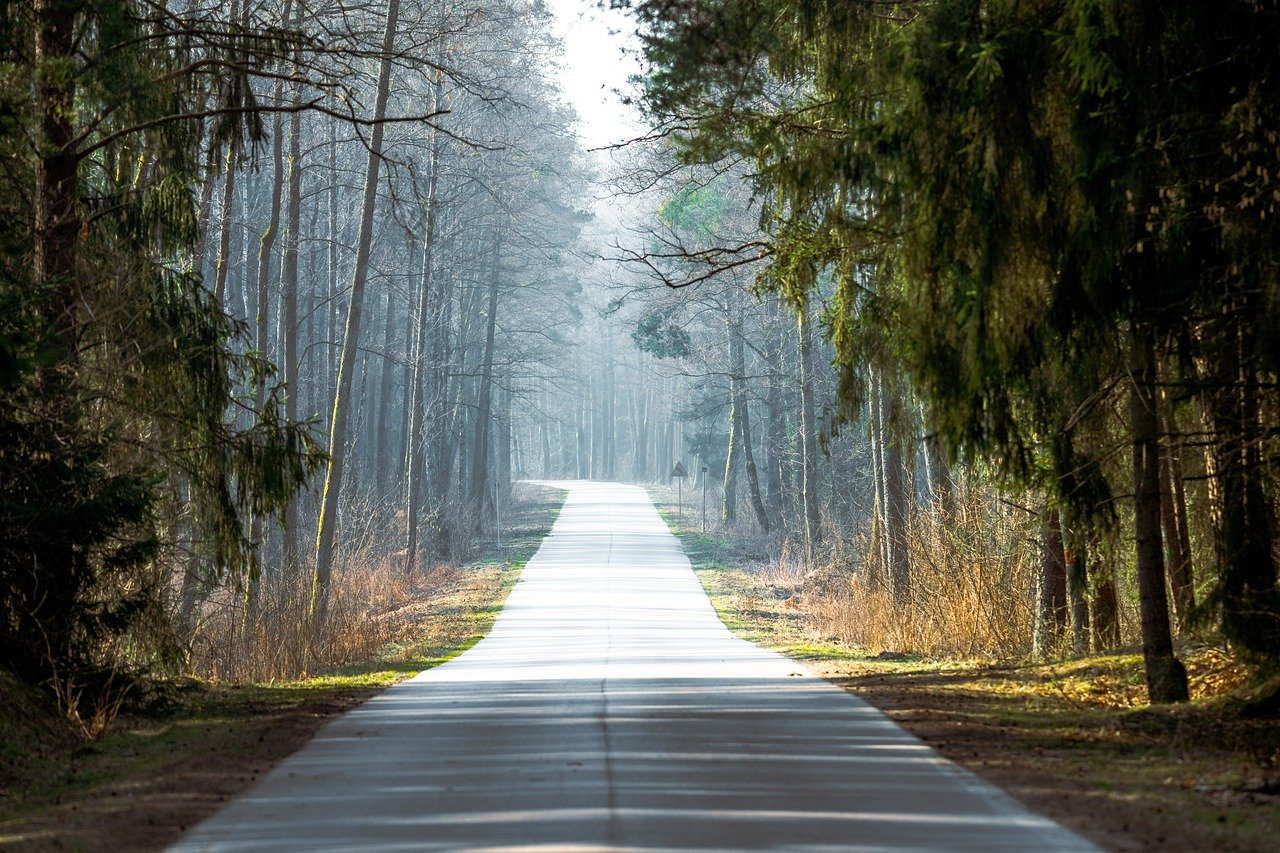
{"x":174,"y":756}
{"x":1072,"y":739}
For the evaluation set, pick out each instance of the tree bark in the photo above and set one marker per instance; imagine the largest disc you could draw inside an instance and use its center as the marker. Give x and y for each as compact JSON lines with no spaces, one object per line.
{"x":1166,"y":676}
{"x":1106,"y":611}
{"x":289,"y":330}
{"x":875,"y":431}
{"x":58,"y":222}
{"x":1244,"y":523}
{"x":733,"y":456}
{"x":643,"y":409}
{"x":1051,"y":588}
{"x":1173,"y":516}
{"x":937,"y":474}
{"x":382,"y":456}
{"x":417,"y":456}
{"x":263,"y":323}
{"x":1076,"y":556}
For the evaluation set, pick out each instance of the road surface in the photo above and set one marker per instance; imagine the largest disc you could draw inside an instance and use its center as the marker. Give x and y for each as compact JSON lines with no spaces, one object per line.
{"x":609,"y":709}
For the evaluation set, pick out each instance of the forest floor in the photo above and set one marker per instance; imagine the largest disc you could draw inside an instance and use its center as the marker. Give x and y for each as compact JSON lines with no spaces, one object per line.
{"x":1074,"y":740}
{"x":168,"y":763}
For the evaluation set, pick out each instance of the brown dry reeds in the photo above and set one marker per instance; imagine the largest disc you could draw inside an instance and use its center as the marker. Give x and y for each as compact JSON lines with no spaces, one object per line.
{"x":972,"y":573}
{"x":267,"y":638}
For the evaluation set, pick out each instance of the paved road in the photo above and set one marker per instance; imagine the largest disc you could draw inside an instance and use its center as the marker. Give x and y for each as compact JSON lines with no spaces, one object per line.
{"x":610,"y":710}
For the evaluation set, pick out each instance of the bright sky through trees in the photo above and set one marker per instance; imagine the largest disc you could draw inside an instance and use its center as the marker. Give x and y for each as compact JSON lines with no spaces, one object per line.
{"x":595,"y":68}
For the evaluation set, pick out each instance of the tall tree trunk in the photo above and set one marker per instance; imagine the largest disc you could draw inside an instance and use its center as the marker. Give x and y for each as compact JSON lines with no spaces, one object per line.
{"x":263,"y":326}
{"x":505,"y":443}
{"x":443,"y":411}
{"x":333,"y":296}
{"x":230,"y":164}
{"x":568,"y":450}
{"x":733,"y":458}
{"x":545,"y":435}
{"x":420,"y":395}
{"x":484,"y":404}
{"x":1076,"y":556}
{"x":326,"y":527}
{"x":268,"y":241}
{"x":289,"y":329}
{"x":610,"y":412}
{"x":742,"y":414}
{"x":1051,"y":588}
{"x":875,"y":430}
{"x":1173,"y":516}
{"x":584,"y":448}
{"x":1106,"y":611}
{"x":382,"y":457}
{"x":895,"y":498}
{"x":208,"y":183}
{"x":643,"y":408}
{"x":937,"y":473}
{"x":222,"y":262}
{"x":57,"y":190}
{"x":1244,"y":523}
{"x":775,"y":433}
{"x":808,"y":437}
{"x":1166,"y":676}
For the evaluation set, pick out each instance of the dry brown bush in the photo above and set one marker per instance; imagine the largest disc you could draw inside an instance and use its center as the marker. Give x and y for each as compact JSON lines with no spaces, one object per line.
{"x":973,"y":573}
{"x":369,"y":586}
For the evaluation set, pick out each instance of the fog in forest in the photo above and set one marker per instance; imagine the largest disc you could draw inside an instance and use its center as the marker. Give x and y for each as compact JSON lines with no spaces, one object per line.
{"x":312,"y":291}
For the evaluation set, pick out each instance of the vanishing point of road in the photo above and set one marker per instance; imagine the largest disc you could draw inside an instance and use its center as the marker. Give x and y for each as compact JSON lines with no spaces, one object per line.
{"x":609,"y":709}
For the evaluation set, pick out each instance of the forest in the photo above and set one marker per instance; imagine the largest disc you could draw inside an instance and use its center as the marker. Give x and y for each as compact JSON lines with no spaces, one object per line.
{"x":967,"y":311}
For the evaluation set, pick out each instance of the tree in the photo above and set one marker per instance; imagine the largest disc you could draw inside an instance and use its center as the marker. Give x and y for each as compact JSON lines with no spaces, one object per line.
{"x":326,"y":526}
{"x":136,"y":362}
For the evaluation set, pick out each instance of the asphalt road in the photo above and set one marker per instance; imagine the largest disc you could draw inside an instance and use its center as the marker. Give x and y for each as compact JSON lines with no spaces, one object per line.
{"x":610,"y":710}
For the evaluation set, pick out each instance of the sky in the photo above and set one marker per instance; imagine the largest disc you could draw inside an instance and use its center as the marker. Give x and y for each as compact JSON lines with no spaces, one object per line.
{"x":594,"y":66}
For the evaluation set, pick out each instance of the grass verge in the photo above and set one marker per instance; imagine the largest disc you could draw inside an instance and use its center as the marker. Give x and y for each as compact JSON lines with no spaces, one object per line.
{"x":180,"y":752}
{"x":1073,"y":739}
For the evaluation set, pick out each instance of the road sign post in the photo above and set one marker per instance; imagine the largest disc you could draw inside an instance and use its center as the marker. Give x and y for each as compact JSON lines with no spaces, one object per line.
{"x":678,"y":474}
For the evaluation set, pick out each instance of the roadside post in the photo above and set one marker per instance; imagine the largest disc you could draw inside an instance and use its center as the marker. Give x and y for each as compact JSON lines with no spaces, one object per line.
{"x":704,"y":498}
{"x":678,"y":474}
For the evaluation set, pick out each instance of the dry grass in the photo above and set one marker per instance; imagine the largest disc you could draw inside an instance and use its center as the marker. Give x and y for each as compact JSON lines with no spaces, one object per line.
{"x":973,"y":574}
{"x":369,"y":601}
{"x":375,"y":607}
